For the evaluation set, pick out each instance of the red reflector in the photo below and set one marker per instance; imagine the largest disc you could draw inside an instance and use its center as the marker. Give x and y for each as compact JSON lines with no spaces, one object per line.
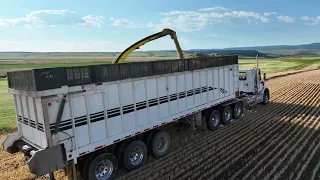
{"x":99,"y":147}
{"x":163,"y":123}
{"x":82,"y":153}
{"x":116,"y":141}
{"x":70,"y":155}
{"x":155,"y":126}
{"x":147,"y":129}
{"x":127,"y":136}
{"x":49,"y":104}
{"x":138,"y":132}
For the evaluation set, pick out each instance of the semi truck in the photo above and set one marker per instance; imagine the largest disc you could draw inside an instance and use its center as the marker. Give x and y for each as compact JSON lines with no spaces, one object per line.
{"x":95,"y":119}
{"x":92,"y":120}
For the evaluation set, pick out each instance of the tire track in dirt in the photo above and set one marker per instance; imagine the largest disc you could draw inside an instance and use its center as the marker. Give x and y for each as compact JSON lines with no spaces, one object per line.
{"x":280,"y":94}
{"x":262,"y":161}
{"x":266,"y":113}
{"x":308,"y":133}
{"x":299,"y":156}
{"x":185,"y":151}
{"x":308,"y":165}
{"x":289,"y":160}
{"x":278,"y":109}
{"x":316,"y":171}
{"x":274,"y":145}
{"x":237,"y":163}
{"x":204,"y":143}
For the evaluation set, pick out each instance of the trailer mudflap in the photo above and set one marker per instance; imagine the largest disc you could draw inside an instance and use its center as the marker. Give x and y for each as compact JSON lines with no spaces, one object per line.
{"x":48,"y":160}
{"x":8,"y":143}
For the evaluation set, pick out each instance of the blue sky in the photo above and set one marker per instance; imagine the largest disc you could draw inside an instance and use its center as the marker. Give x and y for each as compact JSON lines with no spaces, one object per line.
{"x":101,"y":25}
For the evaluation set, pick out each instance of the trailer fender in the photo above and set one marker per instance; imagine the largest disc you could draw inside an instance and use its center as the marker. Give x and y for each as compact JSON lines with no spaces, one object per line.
{"x":48,"y":160}
{"x":232,"y":101}
{"x":8,"y":143}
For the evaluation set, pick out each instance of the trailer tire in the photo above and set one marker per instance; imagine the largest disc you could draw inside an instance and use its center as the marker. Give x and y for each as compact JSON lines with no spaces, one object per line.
{"x":161,"y":144}
{"x":134,"y":155}
{"x":149,"y":140}
{"x":120,"y":150}
{"x":101,"y":165}
{"x":213,"y":119}
{"x":237,"y":110}
{"x":226,"y":115}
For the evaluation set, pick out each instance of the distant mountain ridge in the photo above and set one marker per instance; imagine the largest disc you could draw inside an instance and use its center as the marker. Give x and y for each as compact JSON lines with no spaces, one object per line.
{"x":278,"y":47}
{"x":263,"y":51}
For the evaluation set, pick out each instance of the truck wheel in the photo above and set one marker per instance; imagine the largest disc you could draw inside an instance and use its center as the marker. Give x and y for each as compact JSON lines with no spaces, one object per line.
{"x":266,"y":97}
{"x":134,"y":154}
{"x":161,"y":144}
{"x":213,"y":120}
{"x":237,"y":110}
{"x":102,"y":166}
{"x":226,"y":115}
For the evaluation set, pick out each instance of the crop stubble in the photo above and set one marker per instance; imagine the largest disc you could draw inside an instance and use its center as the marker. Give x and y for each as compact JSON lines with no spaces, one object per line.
{"x":277,"y":141}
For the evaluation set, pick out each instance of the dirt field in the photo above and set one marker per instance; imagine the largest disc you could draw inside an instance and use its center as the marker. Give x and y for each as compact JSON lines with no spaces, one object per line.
{"x":278,"y":141}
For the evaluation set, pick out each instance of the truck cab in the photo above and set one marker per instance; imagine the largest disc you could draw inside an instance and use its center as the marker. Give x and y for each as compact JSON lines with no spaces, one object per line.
{"x":252,"y":87}
{"x":249,"y":82}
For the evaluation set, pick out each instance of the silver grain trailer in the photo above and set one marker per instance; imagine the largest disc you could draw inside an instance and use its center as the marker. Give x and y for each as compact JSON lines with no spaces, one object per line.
{"x":92,"y":119}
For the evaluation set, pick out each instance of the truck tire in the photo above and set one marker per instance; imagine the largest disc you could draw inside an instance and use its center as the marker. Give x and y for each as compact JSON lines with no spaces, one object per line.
{"x":226,"y":114}
{"x":266,"y":97}
{"x":213,"y":119}
{"x":237,"y":110}
{"x":161,"y":144}
{"x":101,"y":166}
{"x":134,"y":154}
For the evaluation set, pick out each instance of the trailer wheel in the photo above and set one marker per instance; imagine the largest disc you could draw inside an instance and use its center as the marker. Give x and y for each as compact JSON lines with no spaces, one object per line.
{"x":134,"y":154}
{"x":102,"y":166}
{"x":149,"y":140}
{"x":237,"y":110}
{"x":120,"y":150}
{"x":226,"y":114}
{"x":161,"y":144}
{"x":213,"y":120}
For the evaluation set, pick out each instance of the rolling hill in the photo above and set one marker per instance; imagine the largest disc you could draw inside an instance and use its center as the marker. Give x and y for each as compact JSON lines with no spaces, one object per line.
{"x":279,"y":47}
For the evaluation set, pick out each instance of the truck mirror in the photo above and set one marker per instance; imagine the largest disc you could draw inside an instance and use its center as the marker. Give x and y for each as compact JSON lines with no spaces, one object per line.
{"x":264,"y":76}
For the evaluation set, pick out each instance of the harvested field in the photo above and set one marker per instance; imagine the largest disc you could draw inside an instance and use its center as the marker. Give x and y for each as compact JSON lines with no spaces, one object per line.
{"x":278,"y":141}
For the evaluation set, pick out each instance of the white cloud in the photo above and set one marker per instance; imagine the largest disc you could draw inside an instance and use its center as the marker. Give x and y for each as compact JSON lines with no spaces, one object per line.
{"x":66,"y":46}
{"x":93,"y":20}
{"x":52,"y":11}
{"x":212,"y":35}
{"x":125,"y":23}
{"x":269,"y":13}
{"x":51,"y":18}
{"x":286,"y":19}
{"x":187,"y":21}
{"x":214,"y":9}
{"x":308,"y":20}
